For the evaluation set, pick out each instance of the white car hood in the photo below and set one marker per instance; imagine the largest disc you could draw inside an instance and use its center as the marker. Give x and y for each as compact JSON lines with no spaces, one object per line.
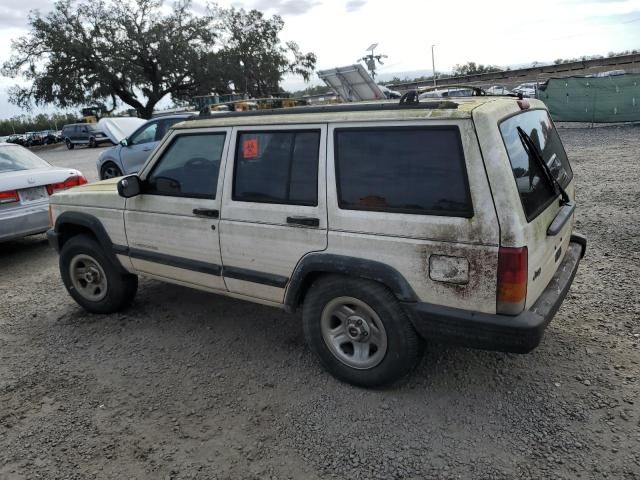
{"x":119,"y":127}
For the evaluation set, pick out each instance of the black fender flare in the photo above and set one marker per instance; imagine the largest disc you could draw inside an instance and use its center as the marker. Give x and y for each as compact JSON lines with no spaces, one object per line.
{"x":350,"y":266}
{"x":92,"y":224}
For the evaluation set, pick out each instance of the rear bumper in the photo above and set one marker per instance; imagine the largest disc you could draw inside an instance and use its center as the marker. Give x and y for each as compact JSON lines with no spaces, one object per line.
{"x":24,"y":221}
{"x":518,"y":334}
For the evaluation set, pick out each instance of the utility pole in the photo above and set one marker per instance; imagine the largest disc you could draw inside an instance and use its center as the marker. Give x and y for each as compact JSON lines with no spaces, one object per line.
{"x":433,"y":65}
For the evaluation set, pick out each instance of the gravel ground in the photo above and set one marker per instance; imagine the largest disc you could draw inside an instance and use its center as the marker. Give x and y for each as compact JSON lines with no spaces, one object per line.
{"x":191,"y":385}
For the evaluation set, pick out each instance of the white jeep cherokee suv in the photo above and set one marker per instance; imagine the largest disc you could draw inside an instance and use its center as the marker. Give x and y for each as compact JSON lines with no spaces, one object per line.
{"x":386,"y":223}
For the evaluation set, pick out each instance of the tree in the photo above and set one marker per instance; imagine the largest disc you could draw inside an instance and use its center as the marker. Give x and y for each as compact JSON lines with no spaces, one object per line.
{"x":471,"y":68}
{"x":89,"y":51}
{"x":22,"y":124}
{"x":252,"y":58}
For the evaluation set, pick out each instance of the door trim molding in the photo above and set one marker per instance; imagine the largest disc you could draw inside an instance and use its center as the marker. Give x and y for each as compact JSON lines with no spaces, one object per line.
{"x":236,"y":273}
{"x":170,"y":260}
{"x":254,"y":276}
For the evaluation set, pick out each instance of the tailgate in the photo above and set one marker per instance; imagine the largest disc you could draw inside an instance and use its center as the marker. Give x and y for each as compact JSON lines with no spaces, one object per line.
{"x":544,"y":222}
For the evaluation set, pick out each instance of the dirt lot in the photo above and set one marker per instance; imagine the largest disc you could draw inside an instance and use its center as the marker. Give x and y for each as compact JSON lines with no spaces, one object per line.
{"x":190,"y":385}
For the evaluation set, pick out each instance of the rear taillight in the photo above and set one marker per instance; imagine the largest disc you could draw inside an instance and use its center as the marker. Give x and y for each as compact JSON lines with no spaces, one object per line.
{"x":10,"y":196}
{"x":512,"y":280}
{"x":72,"y":181}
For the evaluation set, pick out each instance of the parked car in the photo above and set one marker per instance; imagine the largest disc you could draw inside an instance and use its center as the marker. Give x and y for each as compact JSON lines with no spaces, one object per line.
{"x":26,"y":183}
{"x":32,"y":139}
{"x":83,"y":134}
{"x":49,"y":137}
{"x":16,"y":139}
{"x":447,"y":92}
{"x":388,"y":93}
{"x":132,"y":152}
{"x":385,"y":223}
{"x":611,"y":73}
{"x":498,"y":90}
{"x":527,"y":89}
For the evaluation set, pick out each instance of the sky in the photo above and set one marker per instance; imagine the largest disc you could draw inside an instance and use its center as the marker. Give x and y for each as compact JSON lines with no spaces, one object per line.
{"x":493,"y":32}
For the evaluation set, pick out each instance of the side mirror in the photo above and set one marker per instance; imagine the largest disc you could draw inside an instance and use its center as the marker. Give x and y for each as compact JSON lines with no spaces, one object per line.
{"x":129,"y":186}
{"x":124,"y":142}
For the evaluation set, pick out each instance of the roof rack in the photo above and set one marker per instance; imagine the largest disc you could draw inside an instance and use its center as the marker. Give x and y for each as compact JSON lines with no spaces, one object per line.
{"x":344,"y":107}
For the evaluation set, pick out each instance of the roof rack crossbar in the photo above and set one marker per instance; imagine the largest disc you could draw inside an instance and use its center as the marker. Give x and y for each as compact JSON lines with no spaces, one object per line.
{"x":365,"y":107}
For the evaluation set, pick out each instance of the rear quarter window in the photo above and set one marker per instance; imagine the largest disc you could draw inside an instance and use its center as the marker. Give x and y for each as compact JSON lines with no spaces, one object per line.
{"x":415,"y":170}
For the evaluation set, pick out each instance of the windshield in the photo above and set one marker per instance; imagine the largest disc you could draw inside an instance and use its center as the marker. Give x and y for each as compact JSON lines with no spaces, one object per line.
{"x":535,"y":192}
{"x":14,"y":159}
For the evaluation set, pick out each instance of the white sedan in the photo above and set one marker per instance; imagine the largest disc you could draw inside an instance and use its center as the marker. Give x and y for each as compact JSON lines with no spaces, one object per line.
{"x":26,"y":183}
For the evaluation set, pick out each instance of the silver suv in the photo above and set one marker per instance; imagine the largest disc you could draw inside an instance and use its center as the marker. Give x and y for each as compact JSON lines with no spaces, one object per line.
{"x":387,"y":224}
{"x":132,"y":152}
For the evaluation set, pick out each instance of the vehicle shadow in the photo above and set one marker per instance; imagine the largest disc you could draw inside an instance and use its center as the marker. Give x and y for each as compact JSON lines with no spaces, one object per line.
{"x":15,"y":251}
{"x":272,"y":338}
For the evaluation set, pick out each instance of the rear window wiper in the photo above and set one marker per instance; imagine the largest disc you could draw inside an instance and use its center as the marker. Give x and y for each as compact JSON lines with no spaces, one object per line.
{"x":533,"y":152}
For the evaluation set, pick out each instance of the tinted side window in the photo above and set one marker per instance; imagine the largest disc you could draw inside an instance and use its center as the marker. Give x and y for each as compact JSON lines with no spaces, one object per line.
{"x":277,"y":167}
{"x":189,"y":167}
{"x":406,"y":170}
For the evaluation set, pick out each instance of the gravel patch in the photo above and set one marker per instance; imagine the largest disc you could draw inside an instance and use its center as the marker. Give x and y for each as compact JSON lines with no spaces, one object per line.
{"x":188,"y":385}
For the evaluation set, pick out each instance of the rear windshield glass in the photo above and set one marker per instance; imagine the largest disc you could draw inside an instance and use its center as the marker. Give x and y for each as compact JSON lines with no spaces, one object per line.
{"x":13,"y":159}
{"x":535,"y":192}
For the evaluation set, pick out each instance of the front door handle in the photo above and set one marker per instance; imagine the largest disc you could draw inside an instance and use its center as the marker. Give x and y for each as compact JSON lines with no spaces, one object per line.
{"x":306,"y":221}
{"x":206,"y":212}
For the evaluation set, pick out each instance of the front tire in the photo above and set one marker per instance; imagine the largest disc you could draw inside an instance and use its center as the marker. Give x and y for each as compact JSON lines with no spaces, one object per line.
{"x":359,"y":331}
{"x":110,"y":170}
{"x":69,"y":144}
{"x":92,"y":143}
{"x":91,"y":278}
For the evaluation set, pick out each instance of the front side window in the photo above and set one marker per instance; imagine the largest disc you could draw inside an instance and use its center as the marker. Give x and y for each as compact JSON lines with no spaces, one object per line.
{"x":419,"y":170}
{"x":535,"y":191}
{"x":189,"y":167}
{"x":146,"y":135}
{"x":277,"y":167}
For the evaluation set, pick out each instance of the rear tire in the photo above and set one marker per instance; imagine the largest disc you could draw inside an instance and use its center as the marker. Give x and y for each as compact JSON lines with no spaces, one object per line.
{"x":359,"y":331}
{"x":92,"y":279}
{"x":110,"y":170}
{"x":69,"y":144}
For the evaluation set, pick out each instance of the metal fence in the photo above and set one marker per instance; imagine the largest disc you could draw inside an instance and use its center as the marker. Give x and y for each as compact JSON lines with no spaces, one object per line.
{"x":593,"y":99}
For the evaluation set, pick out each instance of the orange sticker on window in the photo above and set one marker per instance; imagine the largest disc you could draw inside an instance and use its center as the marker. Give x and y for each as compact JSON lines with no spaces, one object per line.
{"x":250,"y":148}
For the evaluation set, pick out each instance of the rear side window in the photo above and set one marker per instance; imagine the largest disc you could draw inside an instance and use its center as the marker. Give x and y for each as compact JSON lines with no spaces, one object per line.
{"x":189,"y":167}
{"x":277,"y":167}
{"x":535,"y":192}
{"x":418,"y":170}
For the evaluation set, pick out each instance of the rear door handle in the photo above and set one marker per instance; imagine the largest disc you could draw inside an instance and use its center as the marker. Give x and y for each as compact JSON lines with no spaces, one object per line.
{"x":307,"y":221}
{"x":206,"y":212}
